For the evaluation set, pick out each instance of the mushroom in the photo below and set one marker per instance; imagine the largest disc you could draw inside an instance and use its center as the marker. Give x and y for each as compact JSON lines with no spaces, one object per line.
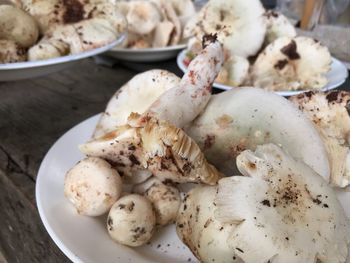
{"x":238,"y":24}
{"x":278,"y":26}
{"x":198,"y":228}
{"x":234,"y":71}
{"x":330,"y":112}
{"x":284,"y":206}
{"x":184,"y":9}
{"x":165,"y":199}
{"x":133,"y":97}
{"x":243,"y":118}
{"x":292,"y":64}
{"x":131,"y":220}
{"x":11,"y":52}
{"x":92,"y":186}
{"x":18,"y":26}
{"x":152,"y":141}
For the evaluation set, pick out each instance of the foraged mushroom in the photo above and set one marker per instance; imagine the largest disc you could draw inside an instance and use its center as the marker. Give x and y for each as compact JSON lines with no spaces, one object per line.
{"x":92,"y":186}
{"x":131,"y":220}
{"x":278,"y":26}
{"x":238,"y":24}
{"x":133,"y":97}
{"x":165,"y":199}
{"x":234,"y":71}
{"x":11,"y":52}
{"x":284,"y":206}
{"x":18,"y":26}
{"x":198,"y":228}
{"x":152,"y":141}
{"x":330,"y":112}
{"x":243,"y":118}
{"x":292,"y":64}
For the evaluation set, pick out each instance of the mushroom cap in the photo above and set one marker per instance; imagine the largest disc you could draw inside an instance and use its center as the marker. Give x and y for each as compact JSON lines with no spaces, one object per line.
{"x":292,"y":64}
{"x":92,"y":186}
{"x":131,"y":220}
{"x":198,"y":228}
{"x":278,"y":26}
{"x":165,"y":199}
{"x":11,"y":52}
{"x":234,"y":71}
{"x":48,"y":48}
{"x":284,"y":206}
{"x":330,"y":112}
{"x":18,"y":26}
{"x":142,"y":17}
{"x":133,"y":97}
{"x":239,"y":25}
{"x":243,"y":118}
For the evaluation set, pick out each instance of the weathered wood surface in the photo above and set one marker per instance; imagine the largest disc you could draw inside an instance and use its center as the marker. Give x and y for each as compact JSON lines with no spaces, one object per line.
{"x":33,"y":115}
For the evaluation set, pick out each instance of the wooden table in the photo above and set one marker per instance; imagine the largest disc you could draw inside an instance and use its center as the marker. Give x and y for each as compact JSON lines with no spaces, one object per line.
{"x":33,"y":115}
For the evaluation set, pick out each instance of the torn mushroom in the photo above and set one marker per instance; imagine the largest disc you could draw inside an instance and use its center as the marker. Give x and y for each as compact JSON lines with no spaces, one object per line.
{"x":330,"y":112}
{"x":243,"y":118}
{"x":292,"y":64}
{"x":92,"y":186}
{"x":285,"y":207}
{"x":165,"y":199}
{"x":131,"y":220}
{"x":11,"y":52}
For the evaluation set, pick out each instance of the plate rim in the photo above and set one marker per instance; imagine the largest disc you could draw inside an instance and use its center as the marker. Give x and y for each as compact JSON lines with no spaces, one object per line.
{"x":224,"y":87}
{"x":66,"y":251}
{"x":149,"y":50}
{"x":63,"y":59}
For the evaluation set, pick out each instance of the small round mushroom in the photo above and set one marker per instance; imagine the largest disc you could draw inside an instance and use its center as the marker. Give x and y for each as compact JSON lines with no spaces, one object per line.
{"x":11,"y":52}
{"x":165,"y":199}
{"x":131,"y":220}
{"x":92,"y":186}
{"x":18,"y":26}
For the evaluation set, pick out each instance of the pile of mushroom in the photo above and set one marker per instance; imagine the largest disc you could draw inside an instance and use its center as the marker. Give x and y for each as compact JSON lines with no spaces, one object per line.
{"x":261,"y":47}
{"x":172,"y":131}
{"x":155,"y":23}
{"x":38,"y":30}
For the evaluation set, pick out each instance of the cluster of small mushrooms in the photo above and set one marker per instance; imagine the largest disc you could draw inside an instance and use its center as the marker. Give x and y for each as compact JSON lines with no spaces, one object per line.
{"x":42,"y":29}
{"x":155,"y":23}
{"x":261,"y":47}
{"x":263,"y":167}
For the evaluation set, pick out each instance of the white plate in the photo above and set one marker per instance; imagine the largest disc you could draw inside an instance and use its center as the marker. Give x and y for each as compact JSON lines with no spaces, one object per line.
{"x":336,"y":76}
{"x":146,"y":54}
{"x":85,"y":239}
{"x":32,"y":69}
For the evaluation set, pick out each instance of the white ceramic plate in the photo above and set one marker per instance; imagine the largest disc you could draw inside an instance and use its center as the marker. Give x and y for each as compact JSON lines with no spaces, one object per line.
{"x":32,"y":69}
{"x":146,"y":54}
{"x":85,"y":239}
{"x":336,"y":76}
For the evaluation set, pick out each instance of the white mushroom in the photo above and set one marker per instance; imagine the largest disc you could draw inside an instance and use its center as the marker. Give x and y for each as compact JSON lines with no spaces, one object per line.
{"x":285,"y":207}
{"x":133,"y":97}
{"x":11,"y":52}
{"x":152,"y":141}
{"x":243,"y":118}
{"x":238,"y":24}
{"x":92,"y":186}
{"x":142,"y":16}
{"x":131,"y":220}
{"x":165,"y":199}
{"x":292,"y":64}
{"x":185,"y":9}
{"x":48,"y":48}
{"x":162,"y":34}
{"x":234,"y":71}
{"x":198,"y":228}
{"x":277,"y":26}
{"x":18,"y":26}
{"x":330,"y":112}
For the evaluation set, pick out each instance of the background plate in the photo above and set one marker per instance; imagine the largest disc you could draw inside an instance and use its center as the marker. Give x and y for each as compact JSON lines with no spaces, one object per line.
{"x":336,"y":76}
{"x":32,"y":69}
{"x":146,"y":54}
